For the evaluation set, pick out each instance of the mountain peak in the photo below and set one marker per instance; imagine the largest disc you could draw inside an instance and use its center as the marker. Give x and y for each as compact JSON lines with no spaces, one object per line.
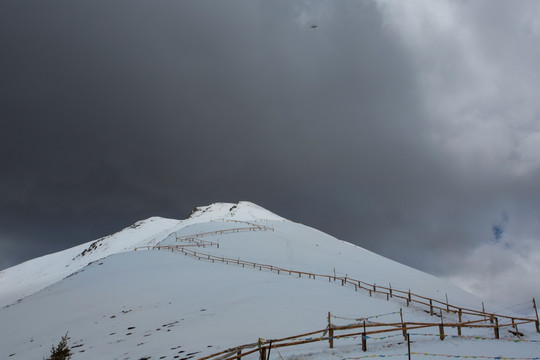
{"x":243,"y":211}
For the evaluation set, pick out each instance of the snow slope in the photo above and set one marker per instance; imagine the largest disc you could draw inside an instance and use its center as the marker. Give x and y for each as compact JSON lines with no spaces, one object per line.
{"x":122,"y":304}
{"x":33,"y":275}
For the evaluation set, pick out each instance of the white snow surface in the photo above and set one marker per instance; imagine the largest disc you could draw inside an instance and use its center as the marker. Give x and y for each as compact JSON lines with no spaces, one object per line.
{"x":33,"y":275}
{"x":118,"y":303}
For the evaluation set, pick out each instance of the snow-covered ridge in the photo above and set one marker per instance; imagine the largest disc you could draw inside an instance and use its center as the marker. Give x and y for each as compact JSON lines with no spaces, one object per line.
{"x":34,"y":275}
{"x":31,"y":276}
{"x":244,"y":211}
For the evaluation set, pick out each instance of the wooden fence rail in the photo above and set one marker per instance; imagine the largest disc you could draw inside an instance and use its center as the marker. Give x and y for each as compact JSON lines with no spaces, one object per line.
{"x":374,"y":289}
{"x":169,"y":247}
{"x":198,"y":241}
{"x":329,"y":334}
{"x":195,"y":238}
{"x":252,"y":227}
{"x":225,"y":231}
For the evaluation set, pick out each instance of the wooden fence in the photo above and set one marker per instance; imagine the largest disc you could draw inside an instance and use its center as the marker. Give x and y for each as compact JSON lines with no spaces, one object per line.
{"x":331,"y":333}
{"x":197,"y":242}
{"x":431,"y":305}
{"x":225,"y":231}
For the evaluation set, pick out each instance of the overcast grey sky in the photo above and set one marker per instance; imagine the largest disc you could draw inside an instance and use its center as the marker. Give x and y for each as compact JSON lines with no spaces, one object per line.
{"x":410,"y":128}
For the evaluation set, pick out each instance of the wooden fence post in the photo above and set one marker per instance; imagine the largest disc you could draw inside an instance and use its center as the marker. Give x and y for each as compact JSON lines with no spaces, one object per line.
{"x":239,"y":353}
{"x":441,"y":332}
{"x":447,"y":306}
{"x":441,"y":328}
{"x":459,"y":325}
{"x":430,"y":307}
{"x":262,"y":349}
{"x":364,"y":342}
{"x":330,"y":333}
{"x":409,"y":299}
{"x":496,"y":328}
{"x":515,"y":328}
{"x":269,"y":349}
{"x":390,"y":289}
{"x":403,"y":327}
{"x":409,"y":345}
{"x":537,"y":321}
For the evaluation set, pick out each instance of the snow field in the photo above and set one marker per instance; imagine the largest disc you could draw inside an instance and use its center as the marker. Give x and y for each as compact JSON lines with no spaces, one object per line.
{"x":215,"y":305}
{"x":123,"y":304}
{"x":33,"y":275}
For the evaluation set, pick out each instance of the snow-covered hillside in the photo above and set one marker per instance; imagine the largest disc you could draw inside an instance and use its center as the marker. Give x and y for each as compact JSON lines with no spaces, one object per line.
{"x":119,"y":300}
{"x":31,"y":276}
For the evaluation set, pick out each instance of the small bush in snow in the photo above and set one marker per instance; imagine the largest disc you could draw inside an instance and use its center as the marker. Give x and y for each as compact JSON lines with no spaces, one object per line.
{"x":61,"y":351}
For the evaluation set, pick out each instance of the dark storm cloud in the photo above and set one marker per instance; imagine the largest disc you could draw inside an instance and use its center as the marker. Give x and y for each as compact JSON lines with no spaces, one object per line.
{"x":113,"y":112}
{"x":130,"y":110}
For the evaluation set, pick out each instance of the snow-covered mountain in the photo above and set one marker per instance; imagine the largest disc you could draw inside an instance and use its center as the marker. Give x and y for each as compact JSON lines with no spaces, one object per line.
{"x":135,"y":295}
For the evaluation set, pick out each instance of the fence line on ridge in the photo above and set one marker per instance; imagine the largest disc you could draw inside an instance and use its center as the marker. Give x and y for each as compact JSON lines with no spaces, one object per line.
{"x":374,"y":289}
{"x":432,"y":304}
